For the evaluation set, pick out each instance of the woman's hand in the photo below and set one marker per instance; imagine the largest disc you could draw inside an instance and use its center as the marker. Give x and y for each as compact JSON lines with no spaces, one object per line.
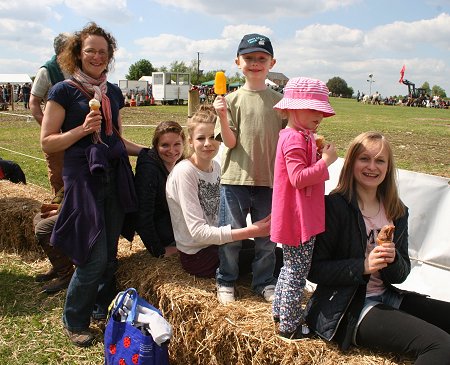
{"x":379,"y":258}
{"x":93,"y":122}
{"x":388,"y":251}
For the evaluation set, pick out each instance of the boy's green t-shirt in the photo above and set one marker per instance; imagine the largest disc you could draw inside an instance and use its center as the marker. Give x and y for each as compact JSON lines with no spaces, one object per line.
{"x":256,"y":126}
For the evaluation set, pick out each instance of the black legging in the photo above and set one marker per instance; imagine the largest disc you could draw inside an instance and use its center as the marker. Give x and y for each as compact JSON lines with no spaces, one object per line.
{"x":420,"y":328}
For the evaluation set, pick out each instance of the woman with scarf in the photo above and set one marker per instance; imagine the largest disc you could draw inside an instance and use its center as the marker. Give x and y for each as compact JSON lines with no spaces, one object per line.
{"x":98,"y":180}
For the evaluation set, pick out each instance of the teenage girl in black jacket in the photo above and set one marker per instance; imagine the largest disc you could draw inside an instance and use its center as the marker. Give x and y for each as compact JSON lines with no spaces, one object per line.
{"x":355,"y":301}
{"x":153,"y":165}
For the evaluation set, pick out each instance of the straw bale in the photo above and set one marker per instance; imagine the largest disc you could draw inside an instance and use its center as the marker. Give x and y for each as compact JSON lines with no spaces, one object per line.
{"x":19,"y":204}
{"x":206,"y":332}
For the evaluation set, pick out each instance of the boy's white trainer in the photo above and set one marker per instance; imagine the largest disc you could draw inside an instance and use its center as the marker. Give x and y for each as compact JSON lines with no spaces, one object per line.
{"x":225,"y":294}
{"x":269,"y":293}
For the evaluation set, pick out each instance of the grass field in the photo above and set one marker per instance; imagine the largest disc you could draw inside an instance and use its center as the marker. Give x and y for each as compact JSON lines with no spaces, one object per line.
{"x":420,"y":136}
{"x":30,"y":322}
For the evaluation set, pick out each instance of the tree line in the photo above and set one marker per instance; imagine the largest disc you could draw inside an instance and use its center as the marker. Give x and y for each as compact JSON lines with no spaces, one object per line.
{"x":145,"y":68}
{"x":336,"y":85}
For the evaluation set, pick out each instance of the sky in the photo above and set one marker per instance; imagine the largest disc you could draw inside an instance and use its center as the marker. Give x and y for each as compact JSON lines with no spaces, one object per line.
{"x":321,"y":39}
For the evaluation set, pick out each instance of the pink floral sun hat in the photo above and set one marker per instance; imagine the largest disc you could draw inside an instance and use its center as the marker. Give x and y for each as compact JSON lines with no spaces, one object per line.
{"x":306,"y":93}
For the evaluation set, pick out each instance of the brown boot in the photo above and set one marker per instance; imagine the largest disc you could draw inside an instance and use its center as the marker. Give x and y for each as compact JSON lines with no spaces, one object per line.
{"x":49,"y":275}
{"x":80,"y":338}
{"x":43,"y":231}
{"x":59,"y":283}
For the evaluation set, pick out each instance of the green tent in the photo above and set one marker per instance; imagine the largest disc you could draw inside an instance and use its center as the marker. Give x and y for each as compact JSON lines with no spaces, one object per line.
{"x":229,"y":86}
{"x":235,"y":85}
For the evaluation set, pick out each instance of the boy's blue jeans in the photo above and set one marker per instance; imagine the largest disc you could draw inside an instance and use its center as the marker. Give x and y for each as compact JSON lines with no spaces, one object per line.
{"x":93,"y":285}
{"x":236,"y":201}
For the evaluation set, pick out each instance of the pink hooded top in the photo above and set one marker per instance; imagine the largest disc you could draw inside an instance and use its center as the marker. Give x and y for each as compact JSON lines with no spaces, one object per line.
{"x":298,"y":204}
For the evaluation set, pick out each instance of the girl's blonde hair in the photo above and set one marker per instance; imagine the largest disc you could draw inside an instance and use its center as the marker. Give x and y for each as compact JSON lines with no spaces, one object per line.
{"x":387,"y":191}
{"x":205,"y":114}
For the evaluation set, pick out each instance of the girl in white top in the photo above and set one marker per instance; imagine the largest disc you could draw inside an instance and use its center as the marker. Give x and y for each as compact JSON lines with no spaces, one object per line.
{"x":193,"y":197}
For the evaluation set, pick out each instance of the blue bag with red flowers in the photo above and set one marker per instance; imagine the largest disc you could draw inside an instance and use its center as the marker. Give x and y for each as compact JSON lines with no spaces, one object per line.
{"x":136,"y":332}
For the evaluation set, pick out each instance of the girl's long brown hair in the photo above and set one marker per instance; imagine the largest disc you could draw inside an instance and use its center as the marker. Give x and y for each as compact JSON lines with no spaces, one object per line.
{"x":387,"y":191}
{"x":168,"y":127}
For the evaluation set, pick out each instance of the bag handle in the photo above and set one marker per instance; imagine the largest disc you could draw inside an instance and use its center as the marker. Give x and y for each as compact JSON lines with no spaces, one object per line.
{"x":133,"y":295}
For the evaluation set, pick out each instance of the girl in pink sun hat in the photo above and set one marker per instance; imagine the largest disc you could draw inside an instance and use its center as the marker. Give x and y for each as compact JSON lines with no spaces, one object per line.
{"x":298,"y":212}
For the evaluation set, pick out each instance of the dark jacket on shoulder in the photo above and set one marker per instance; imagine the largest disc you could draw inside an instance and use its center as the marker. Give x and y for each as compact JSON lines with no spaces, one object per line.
{"x":338,"y":269}
{"x":80,"y":221}
{"x":153,"y":218}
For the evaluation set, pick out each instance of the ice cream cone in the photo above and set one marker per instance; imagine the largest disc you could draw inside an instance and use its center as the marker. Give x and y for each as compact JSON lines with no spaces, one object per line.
{"x":94,"y":104}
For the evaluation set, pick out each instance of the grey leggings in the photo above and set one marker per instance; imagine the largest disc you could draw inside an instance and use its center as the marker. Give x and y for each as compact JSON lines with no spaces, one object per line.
{"x":420,"y":328}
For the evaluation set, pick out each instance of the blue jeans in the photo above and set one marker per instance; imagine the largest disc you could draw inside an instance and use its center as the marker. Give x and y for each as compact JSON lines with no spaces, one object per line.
{"x":236,"y":201}
{"x":93,"y":285}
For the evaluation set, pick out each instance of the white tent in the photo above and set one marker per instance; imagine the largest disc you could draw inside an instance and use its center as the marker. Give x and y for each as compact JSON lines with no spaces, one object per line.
{"x":149,"y":79}
{"x":14,"y":78}
{"x":270,"y":83}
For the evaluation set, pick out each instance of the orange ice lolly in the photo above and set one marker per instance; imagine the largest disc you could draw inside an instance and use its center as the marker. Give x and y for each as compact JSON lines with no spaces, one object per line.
{"x":220,"y":83}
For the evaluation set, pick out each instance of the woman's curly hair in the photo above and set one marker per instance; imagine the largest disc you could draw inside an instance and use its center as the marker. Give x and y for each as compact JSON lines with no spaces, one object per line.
{"x":70,"y":57}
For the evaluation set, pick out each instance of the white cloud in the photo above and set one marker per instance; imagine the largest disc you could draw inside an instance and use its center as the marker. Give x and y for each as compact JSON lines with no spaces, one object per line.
{"x":23,"y":37}
{"x":29,"y":10}
{"x":111,"y":10}
{"x":236,"y":32}
{"x":403,"y":36}
{"x":325,"y":36}
{"x":238,"y":10}
{"x":305,"y":43}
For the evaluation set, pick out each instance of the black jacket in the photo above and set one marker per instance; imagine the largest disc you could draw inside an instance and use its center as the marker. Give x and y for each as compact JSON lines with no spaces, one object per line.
{"x":153,"y":219}
{"x":338,"y":266}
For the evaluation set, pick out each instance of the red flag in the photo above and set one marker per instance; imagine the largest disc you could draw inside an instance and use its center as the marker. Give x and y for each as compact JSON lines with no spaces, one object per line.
{"x":402,"y":73}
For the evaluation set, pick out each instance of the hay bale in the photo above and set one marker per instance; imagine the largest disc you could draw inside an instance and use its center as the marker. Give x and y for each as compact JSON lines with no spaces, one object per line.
{"x":18,"y":205}
{"x":206,"y":332}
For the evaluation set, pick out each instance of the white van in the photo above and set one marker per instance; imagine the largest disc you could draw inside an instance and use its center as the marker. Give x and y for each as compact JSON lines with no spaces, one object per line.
{"x":171,"y":87}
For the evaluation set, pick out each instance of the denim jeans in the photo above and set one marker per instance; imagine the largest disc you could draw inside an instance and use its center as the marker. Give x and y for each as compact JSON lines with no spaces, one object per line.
{"x":93,"y":284}
{"x":236,"y":201}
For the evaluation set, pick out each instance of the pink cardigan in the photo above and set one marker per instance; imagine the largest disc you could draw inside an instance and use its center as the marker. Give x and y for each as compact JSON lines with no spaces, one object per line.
{"x":298,"y":207}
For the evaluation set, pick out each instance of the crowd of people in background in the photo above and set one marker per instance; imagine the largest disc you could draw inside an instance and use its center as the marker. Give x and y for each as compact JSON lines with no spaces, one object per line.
{"x":19,"y":93}
{"x":423,"y":100}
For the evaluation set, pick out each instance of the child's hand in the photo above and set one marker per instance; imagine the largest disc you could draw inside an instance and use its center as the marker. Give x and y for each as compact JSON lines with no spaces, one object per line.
{"x":171,"y":250}
{"x":262,"y":227}
{"x":329,"y":154}
{"x":220,"y":105}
